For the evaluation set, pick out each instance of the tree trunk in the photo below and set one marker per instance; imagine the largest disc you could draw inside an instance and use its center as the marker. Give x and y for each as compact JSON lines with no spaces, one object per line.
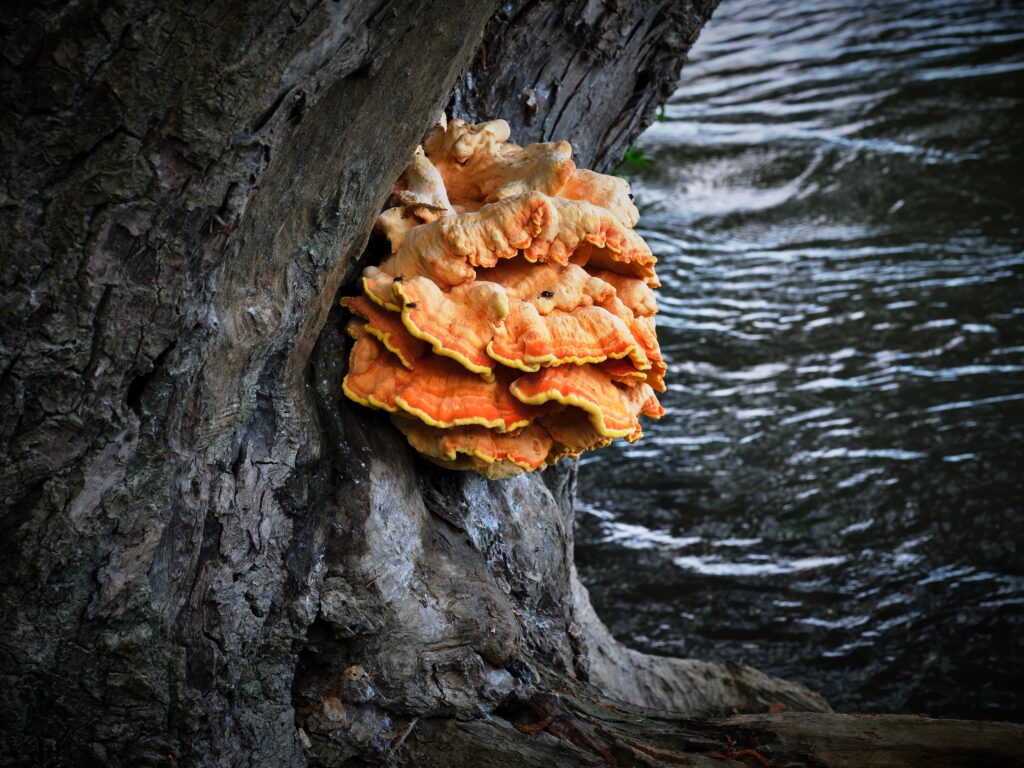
{"x":212,"y":557}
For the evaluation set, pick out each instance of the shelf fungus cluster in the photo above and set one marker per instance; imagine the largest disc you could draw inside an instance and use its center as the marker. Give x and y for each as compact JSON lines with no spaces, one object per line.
{"x":513,"y":323}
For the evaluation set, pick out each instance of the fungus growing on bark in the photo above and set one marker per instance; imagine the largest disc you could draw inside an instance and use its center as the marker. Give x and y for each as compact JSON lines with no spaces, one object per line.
{"x":513,"y":323}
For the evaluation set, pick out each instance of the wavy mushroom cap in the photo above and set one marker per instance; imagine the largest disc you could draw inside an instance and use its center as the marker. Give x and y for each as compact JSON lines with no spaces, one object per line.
{"x":608,"y":192}
{"x":613,"y":409}
{"x":529,"y":340}
{"x":388,"y":329}
{"x":457,"y":324}
{"x":435,"y":390}
{"x":535,"y":226}
{"x":527,"y":448}
{"x":479,"y":165}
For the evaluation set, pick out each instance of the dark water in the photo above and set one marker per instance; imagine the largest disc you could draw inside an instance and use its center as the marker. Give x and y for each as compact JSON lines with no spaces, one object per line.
{"x":836,"y":493}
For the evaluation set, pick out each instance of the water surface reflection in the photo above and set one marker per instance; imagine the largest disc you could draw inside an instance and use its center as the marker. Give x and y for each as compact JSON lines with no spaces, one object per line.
{"x":835,"y":494}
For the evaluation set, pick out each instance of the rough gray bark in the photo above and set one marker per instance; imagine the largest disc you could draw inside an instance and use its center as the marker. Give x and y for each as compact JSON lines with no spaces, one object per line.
{"x":575,"y":729}
{"x":212,"y":558}
{"x":593,"y":71}
{"x":185,"y":190}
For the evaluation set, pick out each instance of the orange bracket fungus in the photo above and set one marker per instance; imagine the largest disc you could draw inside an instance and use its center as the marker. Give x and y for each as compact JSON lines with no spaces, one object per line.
{"x":513,"y":323}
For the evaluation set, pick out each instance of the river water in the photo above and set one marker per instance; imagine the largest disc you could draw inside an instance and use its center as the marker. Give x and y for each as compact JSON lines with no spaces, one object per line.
{"x":835,"y":494}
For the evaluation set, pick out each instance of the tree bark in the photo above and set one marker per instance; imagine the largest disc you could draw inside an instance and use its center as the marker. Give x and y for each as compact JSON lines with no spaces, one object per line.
{"x":212,"y":557}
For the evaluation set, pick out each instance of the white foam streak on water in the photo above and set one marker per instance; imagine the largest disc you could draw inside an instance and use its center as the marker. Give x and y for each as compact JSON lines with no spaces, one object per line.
{"x":638,"y":537}
{"x":713,"y":567}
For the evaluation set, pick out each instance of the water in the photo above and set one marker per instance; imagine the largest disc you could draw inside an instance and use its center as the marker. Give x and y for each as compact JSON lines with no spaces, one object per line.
{"x":835,"y":495}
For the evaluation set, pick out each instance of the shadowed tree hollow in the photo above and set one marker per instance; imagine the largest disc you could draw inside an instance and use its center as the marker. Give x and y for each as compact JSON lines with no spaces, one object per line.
{"x":211,"y":557}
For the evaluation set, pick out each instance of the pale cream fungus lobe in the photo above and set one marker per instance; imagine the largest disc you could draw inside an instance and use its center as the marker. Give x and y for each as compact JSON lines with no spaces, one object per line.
{"x":513,"y":323}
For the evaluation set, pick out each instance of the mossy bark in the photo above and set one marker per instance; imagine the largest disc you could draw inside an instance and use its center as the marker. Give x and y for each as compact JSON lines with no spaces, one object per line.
{"x":211,"y":557}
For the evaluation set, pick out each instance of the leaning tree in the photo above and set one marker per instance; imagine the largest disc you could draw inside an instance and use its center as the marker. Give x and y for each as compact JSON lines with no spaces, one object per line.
{"x":211,"y":558}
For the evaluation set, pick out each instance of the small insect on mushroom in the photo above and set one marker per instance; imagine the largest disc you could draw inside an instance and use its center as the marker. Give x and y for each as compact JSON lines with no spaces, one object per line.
{"x":400,"y":278}
{"x":411,"y":305}
{"x":547,"y":294}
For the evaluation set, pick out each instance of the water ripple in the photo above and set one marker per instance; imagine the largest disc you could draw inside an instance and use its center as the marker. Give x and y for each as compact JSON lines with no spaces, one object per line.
{"x":835,"y":493}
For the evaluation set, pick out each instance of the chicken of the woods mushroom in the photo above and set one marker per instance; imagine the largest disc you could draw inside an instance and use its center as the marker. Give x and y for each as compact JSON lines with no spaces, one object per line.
{"x":513,"y":323}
